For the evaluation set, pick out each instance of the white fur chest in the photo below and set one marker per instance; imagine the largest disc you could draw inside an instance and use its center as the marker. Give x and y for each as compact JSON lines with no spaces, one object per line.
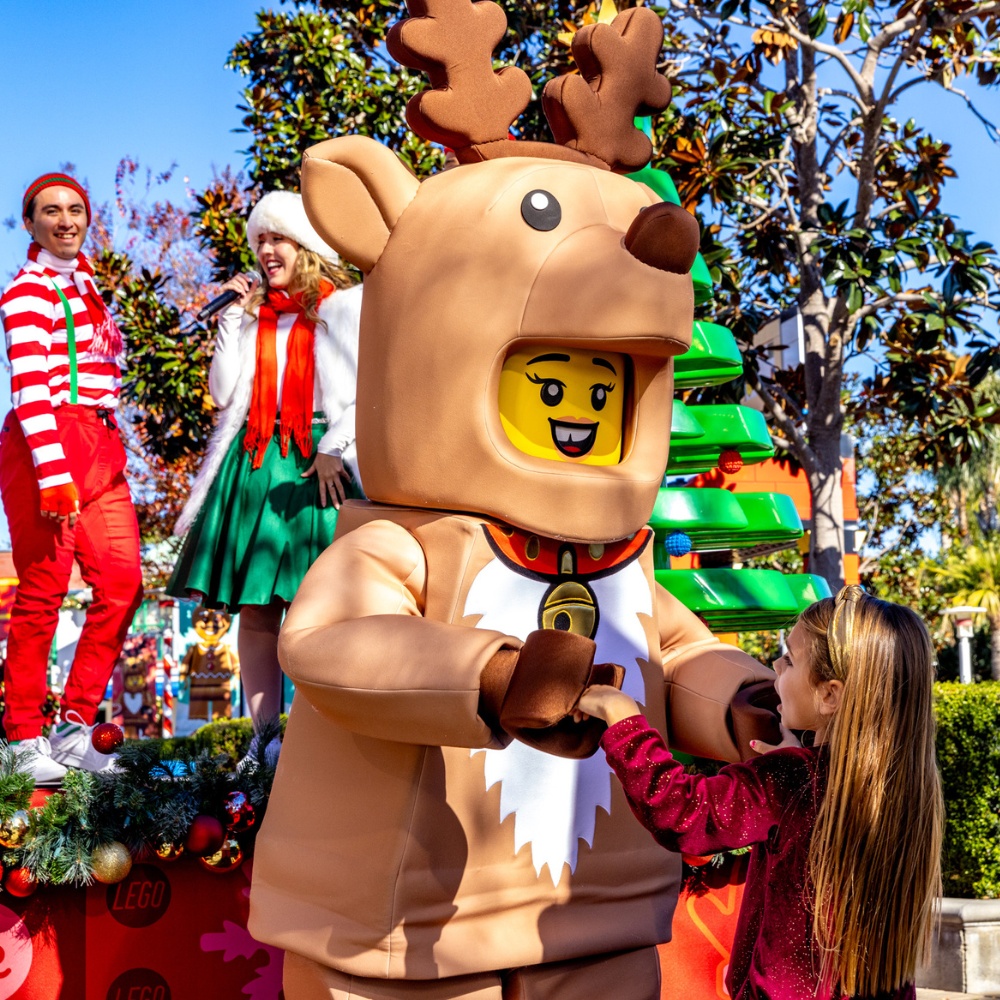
{"x":555,"y":800}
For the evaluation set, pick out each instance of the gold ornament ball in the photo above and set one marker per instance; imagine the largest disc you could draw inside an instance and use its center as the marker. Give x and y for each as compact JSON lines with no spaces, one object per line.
{"x":226,"y":859}
{"x":169,"y":851}
{"x":14,"y":830}
{"x":112,"y":862}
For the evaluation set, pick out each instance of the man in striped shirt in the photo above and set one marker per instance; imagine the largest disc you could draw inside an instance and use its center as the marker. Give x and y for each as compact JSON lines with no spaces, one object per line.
{"x":62,"y":479}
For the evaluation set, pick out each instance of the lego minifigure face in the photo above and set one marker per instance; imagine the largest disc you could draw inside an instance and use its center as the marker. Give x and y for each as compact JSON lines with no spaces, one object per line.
{"x":564,"y":403}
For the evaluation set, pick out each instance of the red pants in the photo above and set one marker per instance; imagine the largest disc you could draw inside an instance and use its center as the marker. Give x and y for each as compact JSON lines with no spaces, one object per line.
{"x":105,"y":542}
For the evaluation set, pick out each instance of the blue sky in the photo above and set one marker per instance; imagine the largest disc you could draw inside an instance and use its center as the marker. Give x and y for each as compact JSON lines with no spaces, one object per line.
{"x":90,"y":82}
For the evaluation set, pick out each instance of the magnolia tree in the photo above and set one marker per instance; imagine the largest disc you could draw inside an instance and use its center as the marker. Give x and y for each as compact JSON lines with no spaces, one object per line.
{"x":156,"y":275}
{"x":784,"y":134}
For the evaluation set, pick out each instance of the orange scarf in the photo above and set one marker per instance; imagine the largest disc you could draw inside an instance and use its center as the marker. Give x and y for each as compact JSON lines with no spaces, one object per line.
{"x":297,"y":385}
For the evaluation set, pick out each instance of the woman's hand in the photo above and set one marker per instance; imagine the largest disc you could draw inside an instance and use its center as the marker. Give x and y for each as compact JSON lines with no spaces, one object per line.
{"x":788,"y":739}
{"x":241,"y":284}
{"x":607,"y":703}
{"x":333,"y":477}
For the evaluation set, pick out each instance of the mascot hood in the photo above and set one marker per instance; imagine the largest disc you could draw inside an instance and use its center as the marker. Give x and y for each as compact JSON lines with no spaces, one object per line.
{"x":464,"y":268}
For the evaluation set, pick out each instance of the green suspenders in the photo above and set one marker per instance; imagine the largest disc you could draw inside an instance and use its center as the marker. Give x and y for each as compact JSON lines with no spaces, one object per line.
{"x":70,"y":341}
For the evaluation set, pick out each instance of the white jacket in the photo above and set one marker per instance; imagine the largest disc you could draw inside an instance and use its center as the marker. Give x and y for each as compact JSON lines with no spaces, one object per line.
{"x":335,"y":347}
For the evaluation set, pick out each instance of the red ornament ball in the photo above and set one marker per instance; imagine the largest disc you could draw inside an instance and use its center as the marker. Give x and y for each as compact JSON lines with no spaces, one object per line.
{"x":226,"y":859}
{"x":240,"y":814}
{"x":205,"y":837}
{"x":107,"y":737}
{"x":730,"y":462}
{"x":19,"y":882}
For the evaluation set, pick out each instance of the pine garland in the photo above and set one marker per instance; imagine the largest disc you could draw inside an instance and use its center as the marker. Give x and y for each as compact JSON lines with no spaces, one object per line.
{"x":151,"y":799}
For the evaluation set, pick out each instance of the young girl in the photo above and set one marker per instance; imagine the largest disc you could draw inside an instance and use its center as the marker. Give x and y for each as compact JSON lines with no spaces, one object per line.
{"x":846,"y":833}
{"x":281,"y":460}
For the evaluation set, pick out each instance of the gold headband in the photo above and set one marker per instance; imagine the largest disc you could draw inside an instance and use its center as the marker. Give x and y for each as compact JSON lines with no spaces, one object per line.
{"x":841,"y":627}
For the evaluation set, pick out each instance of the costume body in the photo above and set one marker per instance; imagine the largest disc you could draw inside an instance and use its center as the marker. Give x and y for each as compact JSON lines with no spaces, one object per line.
{"x":255,"y":531}
{"x":498,"y":857}
{"x":769,"y":802}
{"x":61,"y":442}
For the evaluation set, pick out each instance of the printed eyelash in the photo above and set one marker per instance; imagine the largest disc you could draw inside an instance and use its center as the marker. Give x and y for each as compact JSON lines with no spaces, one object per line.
{"x":601,"y":385}
{"x":538,"y":380}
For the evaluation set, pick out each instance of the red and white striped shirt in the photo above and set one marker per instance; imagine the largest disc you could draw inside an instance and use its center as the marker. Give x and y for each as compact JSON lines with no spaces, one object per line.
{"x":34,"y":322}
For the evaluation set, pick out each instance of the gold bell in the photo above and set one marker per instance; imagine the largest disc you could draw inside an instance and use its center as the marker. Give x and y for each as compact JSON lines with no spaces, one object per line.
{"x":570,"y":607}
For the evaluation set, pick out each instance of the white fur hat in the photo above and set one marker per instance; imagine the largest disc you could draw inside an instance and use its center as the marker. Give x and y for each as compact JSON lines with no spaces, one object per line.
{"x":282,"y":212}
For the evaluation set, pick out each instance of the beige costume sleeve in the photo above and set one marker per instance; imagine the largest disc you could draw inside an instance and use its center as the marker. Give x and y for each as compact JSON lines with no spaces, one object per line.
{"x":704,"y":677}
{"x":357,"y":647}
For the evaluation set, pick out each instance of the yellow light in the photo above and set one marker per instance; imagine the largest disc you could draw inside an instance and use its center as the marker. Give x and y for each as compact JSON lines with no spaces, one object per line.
{"x":608,"y":12}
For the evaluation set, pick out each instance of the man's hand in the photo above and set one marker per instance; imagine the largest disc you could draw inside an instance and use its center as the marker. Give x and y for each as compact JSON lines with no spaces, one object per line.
{"x":61,"y":502}
{"x":333,"y":478}
{"x":605,"y":702}
{"x":788,"y":739}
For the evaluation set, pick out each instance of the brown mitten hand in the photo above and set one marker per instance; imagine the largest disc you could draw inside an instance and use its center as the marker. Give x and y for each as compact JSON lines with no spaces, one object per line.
{"x":753,"y":715}
{"x":553,"y":669}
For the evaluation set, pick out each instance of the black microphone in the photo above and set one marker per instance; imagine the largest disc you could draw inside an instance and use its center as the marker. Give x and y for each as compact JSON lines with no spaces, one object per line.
{"x":221,"y":301}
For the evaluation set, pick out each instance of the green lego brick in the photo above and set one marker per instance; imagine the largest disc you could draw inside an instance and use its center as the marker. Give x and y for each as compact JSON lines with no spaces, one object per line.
{"x":743,"y":600}
{"x":717,"y":519}
{"x":727,"y":428}
{"x":808,"y":588}
{"x":713,"y":358}
{"x":772,"y":518}
{"x":683,"y":424}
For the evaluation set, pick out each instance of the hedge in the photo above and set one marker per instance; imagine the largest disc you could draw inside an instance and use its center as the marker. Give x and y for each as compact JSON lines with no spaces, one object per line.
{"x":968,"y":752}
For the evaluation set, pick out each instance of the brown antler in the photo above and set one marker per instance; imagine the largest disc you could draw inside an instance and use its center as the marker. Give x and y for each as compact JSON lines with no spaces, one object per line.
{"x":594,"y":113}
{"x":452,"y":41}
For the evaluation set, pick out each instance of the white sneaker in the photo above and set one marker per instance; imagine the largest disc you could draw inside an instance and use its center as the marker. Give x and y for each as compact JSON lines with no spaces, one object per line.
{"x":41,"y":766}
{"x":71,"y":746}
{"x":271,"y":753}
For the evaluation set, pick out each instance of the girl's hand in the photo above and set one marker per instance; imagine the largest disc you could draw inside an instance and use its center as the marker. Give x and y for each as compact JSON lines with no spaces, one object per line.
{"x":788,"y":739}
{"x":607,"y":703}
{"x":332,"y":475}
{"x":243,"y":285}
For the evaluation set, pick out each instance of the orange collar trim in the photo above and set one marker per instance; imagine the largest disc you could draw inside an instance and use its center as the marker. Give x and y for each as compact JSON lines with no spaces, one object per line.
{"x":549,"y":557}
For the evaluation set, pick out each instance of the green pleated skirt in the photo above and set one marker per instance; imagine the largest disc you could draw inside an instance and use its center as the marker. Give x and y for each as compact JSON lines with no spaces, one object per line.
{"x":259,"y":530}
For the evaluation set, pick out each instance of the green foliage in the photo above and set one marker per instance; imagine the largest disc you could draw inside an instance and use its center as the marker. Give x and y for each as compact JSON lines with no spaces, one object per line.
{"x":167,"y":377}
{"x":762,"y":646}
{"x":152,"y":798}
{"x":15,"y":786}
{"x":968,"y":752}
{"x":229,"y":736}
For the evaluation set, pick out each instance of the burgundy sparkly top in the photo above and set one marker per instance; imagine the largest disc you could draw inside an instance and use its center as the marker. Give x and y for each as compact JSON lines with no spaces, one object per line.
{"x":770,"y":803}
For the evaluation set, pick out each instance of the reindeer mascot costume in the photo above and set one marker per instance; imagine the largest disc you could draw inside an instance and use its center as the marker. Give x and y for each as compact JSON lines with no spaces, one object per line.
{"x":439,"y":828}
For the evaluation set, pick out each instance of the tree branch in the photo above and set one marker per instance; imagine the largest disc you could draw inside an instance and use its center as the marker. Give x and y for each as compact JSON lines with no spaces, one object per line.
{"x":991,"y":129}
{"x":887,"y":300}
{"x":864,"y":89}
{"x":797,"y":443}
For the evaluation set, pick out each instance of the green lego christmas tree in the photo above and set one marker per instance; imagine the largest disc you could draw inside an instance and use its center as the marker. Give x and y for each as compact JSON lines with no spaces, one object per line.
{"x":711,"y":520}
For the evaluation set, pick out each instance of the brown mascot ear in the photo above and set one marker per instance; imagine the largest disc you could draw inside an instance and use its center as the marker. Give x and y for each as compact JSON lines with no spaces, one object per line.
{"x":354,"y":190}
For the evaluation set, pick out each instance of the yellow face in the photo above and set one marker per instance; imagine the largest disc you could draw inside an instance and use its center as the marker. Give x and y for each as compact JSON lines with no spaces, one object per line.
{"x":565,"y":404}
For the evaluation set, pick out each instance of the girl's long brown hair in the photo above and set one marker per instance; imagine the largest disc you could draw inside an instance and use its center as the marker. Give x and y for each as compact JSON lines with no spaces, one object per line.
{"x":874,"y":857}
{"x":310,"y":269}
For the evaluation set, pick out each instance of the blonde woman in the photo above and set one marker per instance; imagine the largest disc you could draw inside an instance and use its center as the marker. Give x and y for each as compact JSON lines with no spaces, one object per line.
{"x":846,"y":833}
{"x":282,"y":458}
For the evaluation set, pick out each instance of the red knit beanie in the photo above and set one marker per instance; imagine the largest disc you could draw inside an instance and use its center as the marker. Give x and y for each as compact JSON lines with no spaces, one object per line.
{"x":53,"y":180}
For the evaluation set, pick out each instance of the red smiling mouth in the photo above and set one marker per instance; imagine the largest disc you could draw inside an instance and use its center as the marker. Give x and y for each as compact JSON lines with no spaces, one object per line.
{"x":573,"y":439}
